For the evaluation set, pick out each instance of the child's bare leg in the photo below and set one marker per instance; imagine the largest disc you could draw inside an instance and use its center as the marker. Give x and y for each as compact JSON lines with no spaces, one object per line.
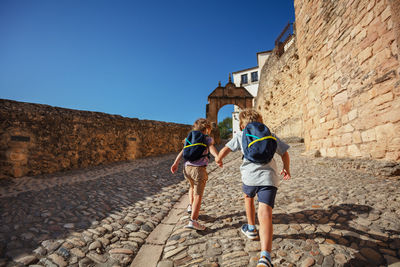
{"x":198,"y":191}
{"x":250,"y":210}
{"x":191,"y":195}
{"x":266,"y":228}
{"x":196,"y":206}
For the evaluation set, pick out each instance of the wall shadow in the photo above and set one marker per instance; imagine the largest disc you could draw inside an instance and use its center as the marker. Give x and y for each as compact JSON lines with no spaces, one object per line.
{"x":368,"y":244}
{"x":55,"y":213}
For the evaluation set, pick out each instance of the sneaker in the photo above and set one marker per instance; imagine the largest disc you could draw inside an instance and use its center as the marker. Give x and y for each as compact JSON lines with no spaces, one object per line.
{"x":195,"y":225}
{"x":264,"y":262}
{"x":189,"y":209}
{"x":250,"y":234}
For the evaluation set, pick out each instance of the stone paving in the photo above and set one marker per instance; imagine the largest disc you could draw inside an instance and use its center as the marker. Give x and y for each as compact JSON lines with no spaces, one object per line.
{"x":133,"y":214}
{"x":324,"y":216}
{"x":96,"y":216}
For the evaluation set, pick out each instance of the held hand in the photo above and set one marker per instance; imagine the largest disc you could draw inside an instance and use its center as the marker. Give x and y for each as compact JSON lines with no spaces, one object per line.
{"x":219,"y":162}
{"x":174,"y":167}
{"x":286,"y":174}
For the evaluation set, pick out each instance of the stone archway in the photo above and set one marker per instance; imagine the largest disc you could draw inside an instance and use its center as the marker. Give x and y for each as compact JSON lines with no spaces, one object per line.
{"x":230,"y":94}
{"x":221,"y":96}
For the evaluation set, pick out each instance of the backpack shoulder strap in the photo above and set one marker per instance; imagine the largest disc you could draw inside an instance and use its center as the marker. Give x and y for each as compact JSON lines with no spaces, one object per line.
{"x":260,"y":139}
{"x":195,"y":144}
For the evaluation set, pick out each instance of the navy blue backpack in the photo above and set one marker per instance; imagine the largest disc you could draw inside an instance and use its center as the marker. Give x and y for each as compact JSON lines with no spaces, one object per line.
{"x":195,"y":144}
{"x":259,"y":145}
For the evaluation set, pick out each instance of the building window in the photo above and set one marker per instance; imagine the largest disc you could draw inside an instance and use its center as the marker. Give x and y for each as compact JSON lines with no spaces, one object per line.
{"x":254,"y":76}
{"x":244,"y":79}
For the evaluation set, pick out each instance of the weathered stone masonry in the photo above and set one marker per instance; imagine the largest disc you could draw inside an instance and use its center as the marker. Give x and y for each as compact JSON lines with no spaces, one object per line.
{"x":279,"y":93}
{"x":346,"y":79}
{"x":37,"y":139}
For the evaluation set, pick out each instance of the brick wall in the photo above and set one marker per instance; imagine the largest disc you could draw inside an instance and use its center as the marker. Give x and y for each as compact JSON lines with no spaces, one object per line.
{"x":36,"y":139}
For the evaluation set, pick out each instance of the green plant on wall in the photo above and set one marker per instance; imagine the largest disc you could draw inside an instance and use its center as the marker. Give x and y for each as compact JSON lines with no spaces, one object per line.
{"x":225,"y":128}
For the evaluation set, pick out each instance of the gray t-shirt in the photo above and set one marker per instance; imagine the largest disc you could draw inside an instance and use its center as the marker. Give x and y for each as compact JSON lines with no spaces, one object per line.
{"x":257,"y":174}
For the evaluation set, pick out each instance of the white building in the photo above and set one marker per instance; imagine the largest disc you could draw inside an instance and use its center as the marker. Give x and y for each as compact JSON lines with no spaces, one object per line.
{"x":249,"y":79}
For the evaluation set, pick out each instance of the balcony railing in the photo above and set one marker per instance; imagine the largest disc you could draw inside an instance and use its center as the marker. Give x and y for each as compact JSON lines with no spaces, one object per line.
{"x":284,"y":37}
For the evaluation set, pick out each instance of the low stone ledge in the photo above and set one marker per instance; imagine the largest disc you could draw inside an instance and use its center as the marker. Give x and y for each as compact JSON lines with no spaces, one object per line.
{"x":375,"y":167}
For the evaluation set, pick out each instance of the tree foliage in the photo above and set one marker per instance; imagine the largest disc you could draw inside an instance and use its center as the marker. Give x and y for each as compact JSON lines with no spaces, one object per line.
{"x":225,"y":128}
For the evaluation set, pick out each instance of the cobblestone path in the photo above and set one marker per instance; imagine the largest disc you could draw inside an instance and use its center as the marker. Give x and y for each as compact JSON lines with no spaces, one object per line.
{"x":134,"y":213}
{"x":324,"y":216}
{"x":96,"y":216}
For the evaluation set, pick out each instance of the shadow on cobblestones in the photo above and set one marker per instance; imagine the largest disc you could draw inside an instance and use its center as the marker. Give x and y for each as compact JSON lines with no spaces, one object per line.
{"x":210,"y":219}
{"x":323,"y":230}
{"x":109,"y":205}
{"x":326,"y":215}
{"x":337,"y":228}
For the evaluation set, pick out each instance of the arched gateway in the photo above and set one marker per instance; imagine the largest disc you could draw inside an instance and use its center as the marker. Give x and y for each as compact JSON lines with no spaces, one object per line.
{"x":230,"y":94}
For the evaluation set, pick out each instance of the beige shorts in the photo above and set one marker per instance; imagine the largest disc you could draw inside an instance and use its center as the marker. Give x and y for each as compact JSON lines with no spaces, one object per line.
{"x":197,"y":177}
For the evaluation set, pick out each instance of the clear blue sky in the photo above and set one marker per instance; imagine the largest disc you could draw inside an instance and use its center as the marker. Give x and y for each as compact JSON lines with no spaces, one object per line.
{"x":156,"y":60}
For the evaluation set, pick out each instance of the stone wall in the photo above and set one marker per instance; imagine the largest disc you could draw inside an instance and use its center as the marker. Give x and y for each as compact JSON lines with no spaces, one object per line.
{"x":279,"y":93}
{"x":395,"y":16}
{"x":36,"y":139}
{"x":347,"y":85}
{"x":350,"y":74}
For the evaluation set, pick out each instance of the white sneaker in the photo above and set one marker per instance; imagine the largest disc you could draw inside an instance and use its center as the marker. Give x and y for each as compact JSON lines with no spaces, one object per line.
{"x":189,"y":209}
{"x":195,"y":225}
{"x":250,"y":234}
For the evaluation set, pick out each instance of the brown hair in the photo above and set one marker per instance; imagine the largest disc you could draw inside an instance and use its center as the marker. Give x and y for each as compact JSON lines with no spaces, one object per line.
{"x":201,"y":125}
{"x":248,"y":115}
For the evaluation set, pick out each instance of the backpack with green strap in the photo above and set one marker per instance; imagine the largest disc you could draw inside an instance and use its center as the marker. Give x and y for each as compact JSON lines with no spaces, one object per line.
{"x":259,"y":145}
{"x":195,"y":144}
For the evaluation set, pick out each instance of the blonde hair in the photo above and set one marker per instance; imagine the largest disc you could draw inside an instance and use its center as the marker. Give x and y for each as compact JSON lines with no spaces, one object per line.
{"x":248,"y":115}
{"x":201,"y":125}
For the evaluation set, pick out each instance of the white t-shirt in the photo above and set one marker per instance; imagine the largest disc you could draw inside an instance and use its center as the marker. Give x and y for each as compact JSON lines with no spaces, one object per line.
{"x":258,"y":174}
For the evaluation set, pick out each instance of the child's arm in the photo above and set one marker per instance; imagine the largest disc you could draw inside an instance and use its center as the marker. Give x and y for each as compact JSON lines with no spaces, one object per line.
{"x":222,"y":154}
{"x":174,"y":166}
{"x":286,"y":166}
{"x":214,"y":152}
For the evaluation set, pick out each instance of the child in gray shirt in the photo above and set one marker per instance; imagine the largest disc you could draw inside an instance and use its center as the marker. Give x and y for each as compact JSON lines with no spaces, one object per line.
{"x":261,"y":179}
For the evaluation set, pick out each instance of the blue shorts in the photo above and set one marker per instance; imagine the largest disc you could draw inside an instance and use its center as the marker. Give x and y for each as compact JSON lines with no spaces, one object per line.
{"x":265,"y":194}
